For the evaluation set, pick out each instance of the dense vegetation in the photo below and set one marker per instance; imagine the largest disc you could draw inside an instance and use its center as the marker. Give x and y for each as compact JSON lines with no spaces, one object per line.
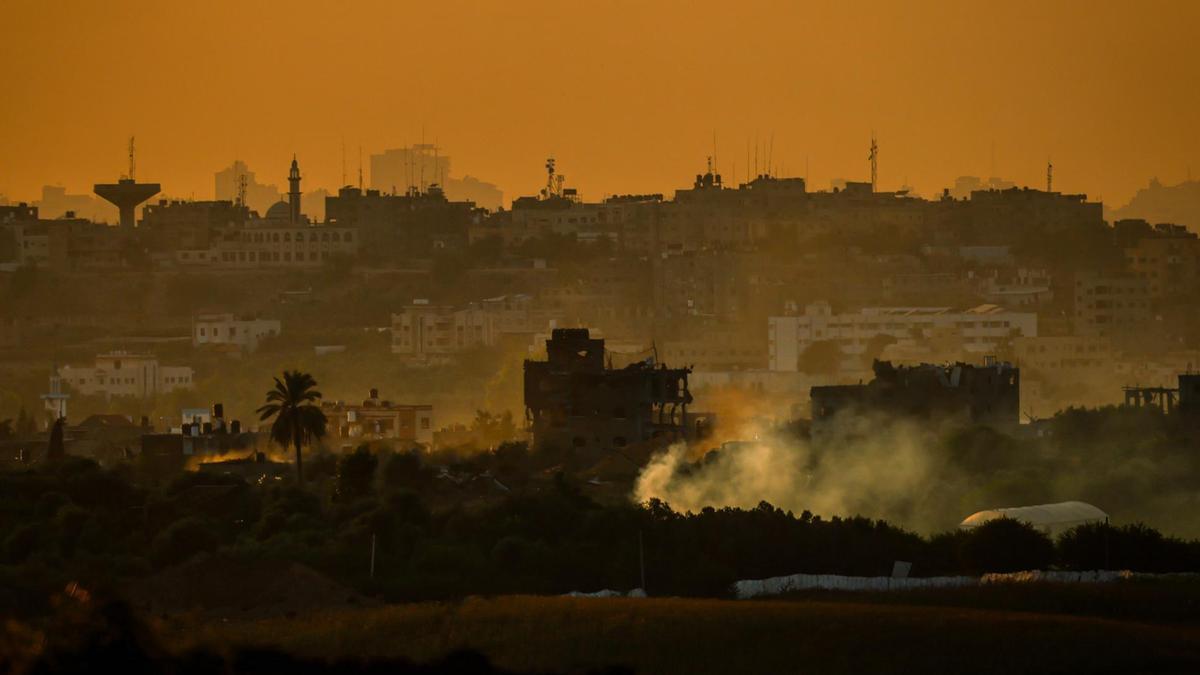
{"x":74,"y":520}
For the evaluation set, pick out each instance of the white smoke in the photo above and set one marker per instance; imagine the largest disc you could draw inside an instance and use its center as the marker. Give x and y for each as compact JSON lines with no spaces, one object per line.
{"x":870,"y":466}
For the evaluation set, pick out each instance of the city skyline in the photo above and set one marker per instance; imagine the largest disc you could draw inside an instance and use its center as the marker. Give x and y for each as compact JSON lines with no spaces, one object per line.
{"x":1092,"y":91}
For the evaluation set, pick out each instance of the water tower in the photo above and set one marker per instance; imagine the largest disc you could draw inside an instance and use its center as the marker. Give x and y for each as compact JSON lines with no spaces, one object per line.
{"x":127,"y":193}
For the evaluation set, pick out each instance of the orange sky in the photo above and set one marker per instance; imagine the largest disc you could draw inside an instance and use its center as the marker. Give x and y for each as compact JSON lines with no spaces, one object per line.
{"x":626,"y":95}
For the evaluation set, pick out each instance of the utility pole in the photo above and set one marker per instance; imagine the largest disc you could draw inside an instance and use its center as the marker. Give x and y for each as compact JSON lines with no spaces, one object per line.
{"x":1049,"y":176}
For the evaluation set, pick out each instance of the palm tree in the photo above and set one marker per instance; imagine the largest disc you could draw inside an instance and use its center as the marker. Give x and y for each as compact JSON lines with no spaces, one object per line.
{"x":295,"y":405}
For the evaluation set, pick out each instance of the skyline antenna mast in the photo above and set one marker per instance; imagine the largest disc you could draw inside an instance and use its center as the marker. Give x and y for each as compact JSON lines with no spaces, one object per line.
{"x":242,"y":184}
{"x":874,"y":157}
{"x":1049,"y":176}
{"x":132,"y":161}
{"x":551,"y":189}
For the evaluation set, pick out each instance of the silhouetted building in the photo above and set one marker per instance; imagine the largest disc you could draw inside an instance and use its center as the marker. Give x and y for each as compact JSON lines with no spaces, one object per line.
{"x":574,"y":400}
{"x":391,"y":225}
{"x":988,"y":394}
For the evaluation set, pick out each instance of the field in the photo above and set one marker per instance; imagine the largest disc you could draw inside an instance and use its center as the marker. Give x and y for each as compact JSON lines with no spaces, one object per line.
{"x":673,"y":635}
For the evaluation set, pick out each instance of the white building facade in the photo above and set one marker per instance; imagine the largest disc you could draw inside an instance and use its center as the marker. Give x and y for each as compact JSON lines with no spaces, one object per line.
{"x":981,"y":328}
{"x":127,"y":374}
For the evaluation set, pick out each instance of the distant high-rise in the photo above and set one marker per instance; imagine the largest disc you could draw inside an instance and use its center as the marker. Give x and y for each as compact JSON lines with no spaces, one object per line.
{"x":259,"y":197}
{"x":420,"y":166}
{"x":399,"y":169}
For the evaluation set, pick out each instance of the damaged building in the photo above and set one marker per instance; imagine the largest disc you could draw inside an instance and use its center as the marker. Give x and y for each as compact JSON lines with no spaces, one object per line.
{"x":575,"y":399}
{"x":982,"y":394}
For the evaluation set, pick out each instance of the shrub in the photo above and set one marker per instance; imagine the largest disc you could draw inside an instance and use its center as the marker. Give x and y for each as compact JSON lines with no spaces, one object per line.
{"x":182,"y":540}
{"x":356,"y":473}
{"x":1132,"y":547}
{"x":1006,"y":545}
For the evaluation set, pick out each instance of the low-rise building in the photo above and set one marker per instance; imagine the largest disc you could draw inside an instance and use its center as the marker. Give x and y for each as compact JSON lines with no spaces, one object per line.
{"x":717,"y":349}
{"x":231,"y":330}
{"x":981,"y":330}
{"x":1063,"y":355}
{"x":376,"y":419}
{"x":122,"y":373}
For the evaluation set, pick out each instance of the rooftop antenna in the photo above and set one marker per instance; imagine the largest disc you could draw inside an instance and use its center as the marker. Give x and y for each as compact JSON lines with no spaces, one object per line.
{"x":437,"y":162}
{"x":242,"y":184}
{"x":874,"y":157}
{"x":771,"y":155}
{"x":132,"y":161}
{"x":714,"y":155}
{"x":1049,"y":176}
{"x":360,"y":181}
{"x":343,"y":161}
{"x":549,"y":191}
{"x":756,"y":154}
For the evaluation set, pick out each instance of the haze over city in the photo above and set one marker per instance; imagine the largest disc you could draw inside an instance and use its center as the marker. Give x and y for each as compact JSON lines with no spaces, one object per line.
{"x":626,"y":95}
{"x":599,"y":338}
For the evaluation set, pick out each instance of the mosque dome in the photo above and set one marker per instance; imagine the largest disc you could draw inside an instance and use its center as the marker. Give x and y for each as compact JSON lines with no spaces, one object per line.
{"x":280,"y":210}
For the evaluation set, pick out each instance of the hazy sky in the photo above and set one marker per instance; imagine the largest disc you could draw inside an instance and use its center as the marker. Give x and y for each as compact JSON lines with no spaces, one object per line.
{"x":626,"y":96}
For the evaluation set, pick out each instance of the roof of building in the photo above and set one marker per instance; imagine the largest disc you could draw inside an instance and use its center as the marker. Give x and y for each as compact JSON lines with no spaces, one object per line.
{"x":107,"y":421}
{"x":1062,"y":514}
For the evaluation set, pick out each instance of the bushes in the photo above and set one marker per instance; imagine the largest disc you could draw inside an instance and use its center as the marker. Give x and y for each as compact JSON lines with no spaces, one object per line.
{"x":549,"y":537}
{"x":182,"y":540}
{"x":356,"y":474}
{"x":1134,"y":547}
{"x":1006,"y":545}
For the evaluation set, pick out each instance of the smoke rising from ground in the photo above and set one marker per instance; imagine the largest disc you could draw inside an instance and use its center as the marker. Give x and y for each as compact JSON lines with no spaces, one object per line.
{"x":872,"y":467}
{"x":928,"y":476}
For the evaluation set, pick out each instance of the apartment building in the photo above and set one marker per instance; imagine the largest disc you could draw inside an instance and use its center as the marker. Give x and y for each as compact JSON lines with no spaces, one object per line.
{"x":427,"y":333}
